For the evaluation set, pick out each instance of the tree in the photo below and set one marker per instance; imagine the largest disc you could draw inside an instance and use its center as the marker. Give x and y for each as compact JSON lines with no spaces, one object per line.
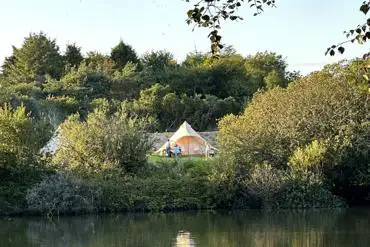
{"x":37,"y":57}
{"x":224,"y":77}
{"x":268,"y":69}
{"x":8,"y":62}
{"x":123,"y":53}
{"x":21,"y":139}
{"x":100,"y":62}
{"x":194,"y":59}
{"x":158,"y":60}
{"x":169,"y":109}
{"x":73,"y":56}
{"x":124,"y":84}
{"x":360,"y":34}
{"x":274,"y":79}
{"x":210,"y":14}
{"x":85,"y":84}
{"x":281,"y":127}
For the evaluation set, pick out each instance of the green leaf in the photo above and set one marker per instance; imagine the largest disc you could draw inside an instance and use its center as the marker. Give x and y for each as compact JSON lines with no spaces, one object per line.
{"x":341,"y":49}
{"x":206,"y":17}
{"x":190,"y":13}
{"x":364,"y":8}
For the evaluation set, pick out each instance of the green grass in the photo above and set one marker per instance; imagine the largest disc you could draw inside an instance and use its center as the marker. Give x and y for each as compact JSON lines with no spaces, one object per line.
{"x":153,"y":159}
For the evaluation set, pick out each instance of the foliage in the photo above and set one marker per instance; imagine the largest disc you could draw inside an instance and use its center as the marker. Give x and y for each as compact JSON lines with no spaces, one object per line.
{"x":73,"y":57}
{"x":268,"y":68}
{"x":157,"y":60}
{"x":124,"y":85}
{"x":210,"y":14}
{"x":103,"y":143}
{"x":308,"y":158}
{"x":165,"y":185}
{"x":280,"y":120}
{"x":300,"y":141}
{"x":37,"y":57}
{"x":61,"y":194}
{"x":86,"y":82}
{"x":318,"y":125}
{"x":264,"y":183}
{"x":100,"y":63}
{"x":307,"y":190}
{"x":361,"y":34}
{"x":350,"y":170}
{"x":122,"y":54}
{"x":207,"y":87}
{"x":21,"y":138}
{"x":170,"y":110}
{"x":14,"y":185}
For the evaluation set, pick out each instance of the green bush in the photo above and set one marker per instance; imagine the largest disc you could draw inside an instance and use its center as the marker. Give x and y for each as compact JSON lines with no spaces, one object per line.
{"x":319,"y":124}
{"x":279,"y":121}
{"x":309,"y":158}
{"x":21,"y":138}
{"x":27,"y":89}
{"x":14,"y":184}
{"x":264,"y":183}
{"x":155,"y":194}
{"x":61,"y":194}
{"x":307,"y":190}
{"x":164,"y":186}
{"x":104,"y":142}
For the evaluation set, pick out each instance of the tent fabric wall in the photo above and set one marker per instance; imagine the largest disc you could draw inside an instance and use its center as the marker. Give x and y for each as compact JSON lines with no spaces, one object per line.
{"x":191,"y":145}
{"x":189,"y":140}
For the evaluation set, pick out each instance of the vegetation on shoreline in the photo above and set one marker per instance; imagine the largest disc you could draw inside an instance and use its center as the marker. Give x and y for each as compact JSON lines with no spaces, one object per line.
{"x":285,"y":141}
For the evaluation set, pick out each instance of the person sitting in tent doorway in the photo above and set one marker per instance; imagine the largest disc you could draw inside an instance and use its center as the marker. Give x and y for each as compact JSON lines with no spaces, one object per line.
{"x":168,"y":148}
{"x":177,"y":150}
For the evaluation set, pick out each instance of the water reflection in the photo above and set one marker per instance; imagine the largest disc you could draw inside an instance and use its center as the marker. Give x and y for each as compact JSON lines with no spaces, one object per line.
{"x":184,"y":239}
{"x":311,"y":228}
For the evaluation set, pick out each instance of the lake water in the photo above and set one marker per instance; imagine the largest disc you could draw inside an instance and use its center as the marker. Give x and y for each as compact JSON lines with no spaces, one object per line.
{"x":345,"y":227}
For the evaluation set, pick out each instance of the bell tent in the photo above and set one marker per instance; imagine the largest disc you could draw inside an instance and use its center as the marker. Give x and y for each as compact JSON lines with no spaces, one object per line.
{"x":189,"y":140}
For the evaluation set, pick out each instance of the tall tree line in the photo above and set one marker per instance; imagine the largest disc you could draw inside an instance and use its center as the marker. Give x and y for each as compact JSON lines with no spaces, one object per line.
{"x":200,"y":89}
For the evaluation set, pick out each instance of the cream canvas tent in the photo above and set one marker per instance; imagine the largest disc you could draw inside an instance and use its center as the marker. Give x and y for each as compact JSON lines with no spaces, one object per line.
{"x":189,"y":140}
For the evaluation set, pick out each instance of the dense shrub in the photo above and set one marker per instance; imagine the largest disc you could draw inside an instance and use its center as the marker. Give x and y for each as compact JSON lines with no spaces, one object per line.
{"x":176,"y":185}
{"x":60,"y":194}
{"x":264,"y":183}
{"x":104,"y":142}
{"x":318,"y":124}
{"x":155,"y":194}
{"x":170,"y":109}
{"x":21,"y":138}
{"x":14,"y":185}
{"x":307,"y":190}
{"x":279,"y":121}
{"x":309,"y":158}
